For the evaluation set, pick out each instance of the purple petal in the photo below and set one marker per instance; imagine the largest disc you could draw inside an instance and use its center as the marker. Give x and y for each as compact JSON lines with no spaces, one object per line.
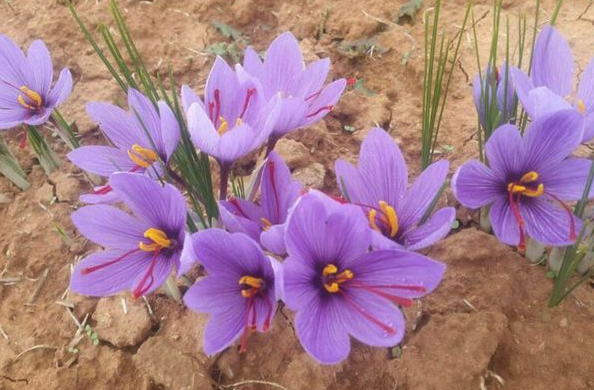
{"x":320,"y":328}
{"x":567,"y":179}
{"x":41,"y":63}
{"x":522,"y":85}
{"x":504,"y":223}
{"x":215,"y":294}
{"x":434,"y":229}
{"x":293,"y":115}
{"x":588,"y":127}
{"x":12,"y":118}
{"x":273,"y":239}
{"x":92,"y":198}
{"x":188,"y":97}
{"x":236,"y":143}
{"x":203,"y":133}
{"x":145,"y":116}
{"x":61,"y":90}
{"x":223,"y":329}
{"x":277,"y":193}
{"x":475,"y":185}
{"x":224,"y":253}
{"x":241,"y":216}
{"x":101,"y":160}
{"x":283,"y":64}
{"x":544,"y":101}
{"x":14,"y":68}
{"x":168,"y":129}
{"x":549,"y":223}
{"x":397,"y":267}
{"x":315,"y":233}
{"x":151,"y":279}
{"x":586,"y":87}
{"x":505,"y":151}
{"x":382,"y":310}
{"x":382,"y":170}
{"x":252,"y":63}
{"x":223,"y":78}
{"x":553,"y":63}
{"x":187,"y":257}
{"x":162,"y":207}
{"x":312,"y":79}
{"x":349,"y":181}
{"x":422,"y":193}
{"x":379,"y":241}
{"x":551,"y":139}
{"x":326,"y":100}
{"x":116,"y":123}
{"x":109,"y":227}
{"x":39,"y":117}
{"x":110,"y":279}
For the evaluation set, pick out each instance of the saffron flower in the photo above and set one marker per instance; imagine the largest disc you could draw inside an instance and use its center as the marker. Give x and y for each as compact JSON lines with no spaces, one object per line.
{"x":550,"y":87}
{"x":233,"y":120}
{"x":141,"y":250}
{"x":26,"y":92}
{"x":493,"y":86}
{"x":305,"y":99}
{"x":528,"y":180}
{"x":238,"y":291}
{"x":338,"y":288}
{"x":143,"y":139}
{"x":265,"y":223}
{"x":379,"y":187}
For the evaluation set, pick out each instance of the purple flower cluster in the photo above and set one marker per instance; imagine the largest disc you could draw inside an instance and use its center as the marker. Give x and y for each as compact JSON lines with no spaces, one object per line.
{"x":345,"y":265}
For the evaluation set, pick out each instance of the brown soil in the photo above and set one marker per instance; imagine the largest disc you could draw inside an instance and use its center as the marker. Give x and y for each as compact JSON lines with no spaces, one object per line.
{"x":486,"y":325}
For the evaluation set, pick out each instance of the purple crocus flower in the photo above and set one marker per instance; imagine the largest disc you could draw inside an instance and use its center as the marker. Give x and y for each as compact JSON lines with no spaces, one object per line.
{"x":493,"y":86}
{"x":26,"y":93}
{"x":379,"y":187}
{"x":238,"y":291}
{"x":550,"y":87}
{"x":141,"y":250}
{"x":305,"y":100}
{"x":234,"y":119}
{"x":338,"y":288}
{"x":265,"y":223}
{"x":528,"y":180}
{"x":143,"y":139}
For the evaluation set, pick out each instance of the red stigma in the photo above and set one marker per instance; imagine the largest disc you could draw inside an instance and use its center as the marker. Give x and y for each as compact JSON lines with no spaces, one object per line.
{"x":141,"y":289}
{"x":572,"y":233}
{"x":313,"y":95}
{"x":271,"y":175}
{"x":235,"y":203}
{"x":514,"y":205}
{"x":103,"y":190}
{"x":88,"y":270}
{"x":211,"y":111}
{"x":249,"y":93}
{"x":217,"y":97}
{"x":365,"y":314}
{"x":351,"y":81}
{"x":329,"y":108}
{"x":23,"y":141}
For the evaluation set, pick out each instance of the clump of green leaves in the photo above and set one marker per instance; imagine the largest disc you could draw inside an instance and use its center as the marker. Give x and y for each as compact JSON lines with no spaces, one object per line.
{"x":93,"y":336}
{"x":360,"y":48}
{"x":408,"y":10}
{"x":229,"y":50}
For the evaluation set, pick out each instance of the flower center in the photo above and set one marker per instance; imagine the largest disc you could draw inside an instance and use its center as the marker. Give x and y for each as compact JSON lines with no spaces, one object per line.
{"x":33,"y":99}
{"x":159,"y":240}
{"x":218,"y":120}
{"x":332,"y":279}
{"x":386,"y":222}
{"x":142,"y":157}
{"x":251,"y":288}
{"x":525,"y":186}
{"x":581,"y":106}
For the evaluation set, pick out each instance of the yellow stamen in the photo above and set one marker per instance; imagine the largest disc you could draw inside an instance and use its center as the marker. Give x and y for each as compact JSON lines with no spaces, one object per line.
{"x":581,"y":106}
{"x":159,"y":240}
{"x":224,"y":127}
{"x":33,"y":96}
{"x":142,"y":157}
{"x":390,"y":213}
{"x":266,"y":223}
{"x":333,"y":284}
{"x":529,"y":177}
{"x":253,"y":283}
{"x":534,"y":193}
{"x":372,"y":214}
{"x":330,"y":269}
{"x":515,"y":188}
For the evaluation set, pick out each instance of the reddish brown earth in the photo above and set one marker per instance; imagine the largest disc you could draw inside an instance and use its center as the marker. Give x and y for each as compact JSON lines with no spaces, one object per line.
{"x":486,"y":327}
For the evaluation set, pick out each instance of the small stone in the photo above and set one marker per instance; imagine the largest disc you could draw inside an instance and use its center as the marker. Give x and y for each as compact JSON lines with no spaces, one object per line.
{"x":564,"y":322}
{"x":119,"y":328}
{"x":45,"y":193}
{"x":311,"y":176}
{"x":67,"y":189}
